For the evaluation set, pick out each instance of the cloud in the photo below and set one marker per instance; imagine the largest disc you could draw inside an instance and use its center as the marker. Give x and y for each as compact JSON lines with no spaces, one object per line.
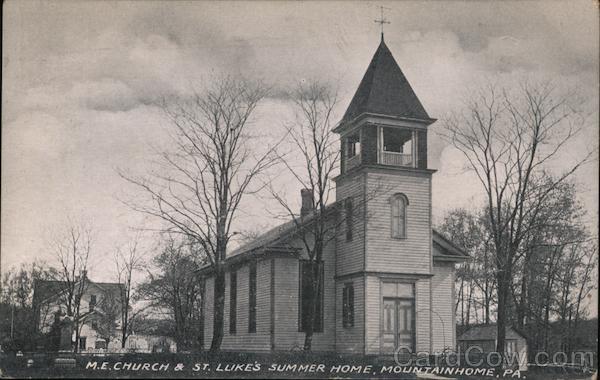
{"x":80,"y":81}
{"x":105,"y":95}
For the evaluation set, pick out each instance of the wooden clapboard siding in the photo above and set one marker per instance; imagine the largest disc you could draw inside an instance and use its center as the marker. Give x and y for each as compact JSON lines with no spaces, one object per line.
{"x":286,"y":303}
{"x":372,"y":315}
{"x":350,"y":254}
{"x":351,"y":339}
{"x":242,"y":340}
{"x":443,"y":306}
{"x":423,"y":314}
{"x":387,"y":254}
{"x":287,"y":274}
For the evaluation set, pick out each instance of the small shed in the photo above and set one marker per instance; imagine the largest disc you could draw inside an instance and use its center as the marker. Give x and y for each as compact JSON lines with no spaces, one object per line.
{"x":483,"y":339}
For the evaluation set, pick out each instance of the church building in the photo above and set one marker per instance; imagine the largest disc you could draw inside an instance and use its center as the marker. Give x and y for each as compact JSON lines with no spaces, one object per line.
{"x":388,"y":282}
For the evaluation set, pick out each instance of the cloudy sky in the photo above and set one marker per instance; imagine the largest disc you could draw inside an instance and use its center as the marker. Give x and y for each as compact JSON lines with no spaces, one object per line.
{"x":80,"y":80}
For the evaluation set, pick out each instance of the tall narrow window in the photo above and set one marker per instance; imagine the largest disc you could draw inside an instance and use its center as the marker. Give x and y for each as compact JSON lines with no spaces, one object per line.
{"x":82,"y":343}
{"x":252,"y":298}
{"x":349,"y":218}
{"x":92,"y":303}
{"x":348,"y":305}
{"x":399,"y":203}
{"x":232,"y":302}
{"x":306,"y":267}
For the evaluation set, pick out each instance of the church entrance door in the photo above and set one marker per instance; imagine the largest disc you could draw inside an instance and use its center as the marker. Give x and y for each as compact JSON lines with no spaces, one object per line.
{"x":398,"y":330}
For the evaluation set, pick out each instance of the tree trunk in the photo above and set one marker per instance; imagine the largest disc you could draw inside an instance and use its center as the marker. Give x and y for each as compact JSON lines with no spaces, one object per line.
{"x":469,"y":302}
{"x":125,"y":299}
{"x":76,"y":343}
{"x":504,"y":277}
{"x":125,"y":326}
{"x":219,"y":308}
{"x":522,"y":301}
{"x":487,"y":303}
{"x":312,"y":307}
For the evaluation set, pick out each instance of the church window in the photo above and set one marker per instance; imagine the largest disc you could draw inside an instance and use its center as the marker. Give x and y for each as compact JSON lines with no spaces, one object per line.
{"x":232,"y":302}
{"x":252,"y":298}
{"x":349,"y":218}
{"x":348,"y":305}
{"x":399,"y":203}
{"x":306,"y":266}
{"x":353,"y":145}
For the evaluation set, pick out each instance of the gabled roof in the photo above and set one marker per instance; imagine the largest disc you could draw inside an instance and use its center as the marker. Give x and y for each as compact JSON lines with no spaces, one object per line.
{"x":444,"y":247}
{"x":488,"y":332}
{"x":111,"y":287}
{"x":275,"y":241}
{"x":384,"y":90}
{"x":46,"y":289}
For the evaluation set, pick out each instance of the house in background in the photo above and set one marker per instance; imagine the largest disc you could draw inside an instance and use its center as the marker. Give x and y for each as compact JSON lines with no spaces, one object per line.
{"x":97,"y":300}
{"x":483,"y":339}
{"x":387,"y":279}
{"x":150,"y":343}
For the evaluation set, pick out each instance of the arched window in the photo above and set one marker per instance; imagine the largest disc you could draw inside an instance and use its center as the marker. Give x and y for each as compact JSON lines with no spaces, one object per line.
{"x":399,"y":202}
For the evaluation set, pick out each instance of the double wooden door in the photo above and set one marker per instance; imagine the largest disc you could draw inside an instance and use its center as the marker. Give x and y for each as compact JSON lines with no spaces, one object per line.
{"x":398,"y":330}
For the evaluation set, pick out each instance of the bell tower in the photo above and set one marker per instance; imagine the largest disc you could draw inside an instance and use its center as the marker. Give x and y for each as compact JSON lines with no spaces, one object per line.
{"x":387,"y":257}
{"x":385,"y":123}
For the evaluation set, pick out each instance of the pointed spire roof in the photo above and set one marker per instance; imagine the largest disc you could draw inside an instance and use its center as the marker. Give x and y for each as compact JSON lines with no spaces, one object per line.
{"x":384,"y":90}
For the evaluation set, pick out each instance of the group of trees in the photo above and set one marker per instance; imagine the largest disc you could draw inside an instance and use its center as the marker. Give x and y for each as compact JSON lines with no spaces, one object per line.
{"x":17,"y":314}
{"x":551,"y":283}
{"x":164,"y":302}
{"x":532,"y":255}
{"x":532,"y":258}
{"x":173,"y":291}
{"x":215,"y":162}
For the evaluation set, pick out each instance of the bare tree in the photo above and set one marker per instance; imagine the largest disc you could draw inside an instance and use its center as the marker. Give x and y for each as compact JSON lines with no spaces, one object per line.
{"x":474,"y":285}
{"x":211,"y":168}
{"x":107,"y":315}
{"x":19,"y":300}
{"x":71,"y":250}
{"x":508,"y":138}
{"x":311,"y":136}
{"x":172,"y":286}
{"x":127,"y":262}
{"x":587,"y":281}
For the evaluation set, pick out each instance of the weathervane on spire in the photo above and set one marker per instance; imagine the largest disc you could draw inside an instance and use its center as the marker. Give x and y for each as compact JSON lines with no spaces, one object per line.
{"x":382,"y":20}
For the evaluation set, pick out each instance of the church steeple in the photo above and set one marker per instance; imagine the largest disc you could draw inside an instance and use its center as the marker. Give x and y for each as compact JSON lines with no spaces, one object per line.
{"x":384,"y":90}
{"x":385,"y":123}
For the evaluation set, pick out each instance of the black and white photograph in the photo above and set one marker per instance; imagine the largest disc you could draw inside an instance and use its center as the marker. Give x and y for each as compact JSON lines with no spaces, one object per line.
{"x":285,"y":189}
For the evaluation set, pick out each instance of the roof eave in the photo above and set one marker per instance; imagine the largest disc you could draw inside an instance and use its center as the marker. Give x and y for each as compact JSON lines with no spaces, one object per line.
{"x":448,"y":244}
{"x":256,"y":253}
{"x":450,"y":258}
{"x":346,"y":123}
